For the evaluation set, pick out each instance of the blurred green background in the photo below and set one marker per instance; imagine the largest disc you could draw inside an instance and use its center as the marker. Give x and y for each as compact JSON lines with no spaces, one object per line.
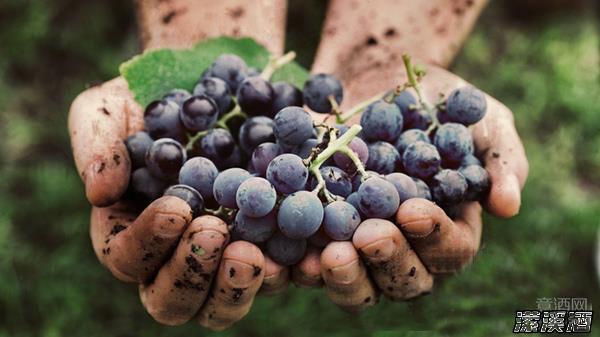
{"x":541,"y":62}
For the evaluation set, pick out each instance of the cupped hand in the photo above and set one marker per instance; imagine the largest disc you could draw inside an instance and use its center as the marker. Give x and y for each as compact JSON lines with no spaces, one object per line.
{"x":185,"y":268}
{"x":401,"y":259}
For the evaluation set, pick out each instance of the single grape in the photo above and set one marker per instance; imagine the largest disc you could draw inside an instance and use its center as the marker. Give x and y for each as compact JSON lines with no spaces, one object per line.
{"x":262,"y":156}
{"x":255,"y":230}
{"x":413,"y":116}
{"x":466,"y":105}
{"x":256,"y":197}
{"x":255,"y":96}
{"x":317,"y":90}
{"x":381,"y":121}
{"x":137,"y":146}
{"x":421,"y":160}
{"x":165,"y":158}
{"x":454,"y":142}
{"x":216,"y":144}
{"x":320,"y":239}
{"x":293,"y":126}
{"x":255,"y":131}
{"x":378,"y":198}
{"x":218,"y":90}
{"x":230,"y":68}
{"x":226,"y":185}
{"x":161,"y":119}
{"x":336,"y":180}
{"x":477,"y":180}
{"x":287,"y":173}
{"x":448,"y":187}
{"x":199,"y":173}
{"x":300,"y":215}
{"x":422,"y":189}
{"x":146,"y":186}
{"x":285,"y":251}
{"x":383,"y":158}
{"x":410,"y":136}
{"x":199,"y":113}
{"x":177,"y":95}
{"x":286,"y":94}
{"x":442,"y":116}
{"x":404,"y":184}
{"x":354,"y":200}
{"x":357,"y":179}
{"x":360,"y":149}
{"x":233,"y":160}
{"x":304,"y":150}
{"x":188,"y":194}
{"x":341,"y":220}
{"x":470,"y":160}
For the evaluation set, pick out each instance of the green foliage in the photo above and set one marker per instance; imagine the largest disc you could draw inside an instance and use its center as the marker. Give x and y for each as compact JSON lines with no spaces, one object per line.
{"x":154,"y":73}
{"x":51,"y":284}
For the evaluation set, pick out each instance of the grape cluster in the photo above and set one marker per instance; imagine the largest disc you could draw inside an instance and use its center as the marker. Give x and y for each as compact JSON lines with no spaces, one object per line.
{"x":245,"y":149}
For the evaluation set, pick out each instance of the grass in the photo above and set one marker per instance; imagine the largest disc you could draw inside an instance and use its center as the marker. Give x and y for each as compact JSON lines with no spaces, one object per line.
{"x":546,"y":70}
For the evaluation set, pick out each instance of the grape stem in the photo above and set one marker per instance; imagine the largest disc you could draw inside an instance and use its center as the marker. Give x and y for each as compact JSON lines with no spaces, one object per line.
{"x":194,"y":138}
{"x":276,"y":63}
{"x":414,"y":75}
{"x":359,"y":165}
{"x":342,"y":118}
{"x":335,"y":145}
{"x":237,"y":111}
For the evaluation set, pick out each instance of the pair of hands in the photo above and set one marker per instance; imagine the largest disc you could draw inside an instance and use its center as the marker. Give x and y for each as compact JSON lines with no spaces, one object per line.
{"x":188,"y":270}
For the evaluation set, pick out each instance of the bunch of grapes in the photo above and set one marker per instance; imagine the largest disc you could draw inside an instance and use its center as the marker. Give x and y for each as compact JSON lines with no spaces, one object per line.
{"x":246,"y":150}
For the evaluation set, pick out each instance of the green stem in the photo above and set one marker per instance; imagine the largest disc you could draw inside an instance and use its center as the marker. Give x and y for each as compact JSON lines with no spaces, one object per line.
{"x":237,"y":111}
{"x":194,"y":138}
{"x":354,"y":157}
{"x":276,"y":63}
{"x":343,"y":118}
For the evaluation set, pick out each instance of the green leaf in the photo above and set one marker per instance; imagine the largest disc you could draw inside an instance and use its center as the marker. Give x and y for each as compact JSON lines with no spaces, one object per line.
{"x":154,"y":73}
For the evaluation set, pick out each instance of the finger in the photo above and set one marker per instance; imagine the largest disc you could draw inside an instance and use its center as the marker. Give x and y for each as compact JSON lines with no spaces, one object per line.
{"x":182,"y":284}
{"x":307,"y":273}
{"x":444,"y":246}
{"x":133,"y":253}
{"x":345,"y":277}
{"x":238,"y":279}
{"x":496,"y":139}
{"x":393,"y":265}
{"x":99,"y":119}
{"x":276,"y":278}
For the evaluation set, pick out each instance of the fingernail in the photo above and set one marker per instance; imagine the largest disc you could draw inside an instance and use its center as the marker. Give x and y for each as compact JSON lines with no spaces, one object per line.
{"x":380,"y":249}
{"x":505,"y":196}
{"x":239,"y":274}
{"x":418,"y":228}
{"x":345,"y":274}
{"x":207,"y":244}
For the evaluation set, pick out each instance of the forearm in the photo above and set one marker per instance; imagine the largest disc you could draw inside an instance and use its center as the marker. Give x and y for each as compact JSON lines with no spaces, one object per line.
{"x":359,"y":36}
{"x":181,"y":23}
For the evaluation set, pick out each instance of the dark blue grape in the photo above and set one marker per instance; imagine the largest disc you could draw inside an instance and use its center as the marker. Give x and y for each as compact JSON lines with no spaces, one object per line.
{"x":341,"y":220}
{"x":226,"y":185}
{"x":137,"y":146}
{"x":189,"y":195}
{"x":287,"y":173}
{"x":442,"y":116}
{"x":405,"y":101}
{"x":466,"y":105}
{"x":284,"y":250}
{"x":320,"y":239}
{"x":286,"y":94}
{"x":256,"y":197}
{"x":317,"y":90}
{"x":477,"y":180}
{"x":161,"y":119}
{"x":378,"y":198}
{"x":262,"y":156}
{"x":255,"y":131}
{"x":293,"y":126}
{"x":422,"y":189}
{"x":178,"y":96}
{"x":421,"y":160}
{"x":199,"y":173}
{"x":381,"y":121}
{"x":165,"y":158}
{"x":383,"y":158}
{"x":218,"y":90}
{"x":404,"y":184}
{"x":448,"y":187}
{"x":255,"y":230}
{"x":255,"y":96}
{"x":470,"y":160}
{"x":217,"y":143}
{"x":413,"y":116}
{"x":146,"y":186}
{"x":454,"y":142}
{"x":360,"y":149}
{"x":199,"y":113}
{"x":230,"y":68}
{"x":336,"y":181}
{"x":233,"y":160}
{"x":304,"y":150}
{"x":408,"y":137}
{"x":300,"y":215}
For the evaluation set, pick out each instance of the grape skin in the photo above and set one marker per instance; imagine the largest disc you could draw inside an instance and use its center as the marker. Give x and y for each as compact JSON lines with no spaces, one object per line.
{"x":218,"y":90}
{"x":137,"y":146}
{"x":255,"y":131}
{"x":421,"y":160}
{"x":448,"y":187}
{"x":304,"y":150}
{"x":381,"y":121}
{"x":404,"y":184}
{"x":188,"y":194}
{"x":256,"y":197}
{"x":226,"y":185}
{"x":286,"y":94}
{"x":336,"y":181}
{"x":317,"y":90}
{"x":454,"y":142}
{"x":199,"y":173}
{"x":161,"y":119}
{"x":341,"y":220}
{"x":255,"y":230}
{"x":263,"y":155}
{"x":361,"y":150}
{"x":408,"y":137}
{"x":285,"y":251}
{"x":293,"y":126}
{"x":255,"y":96}
{"x":230,"y":68}
{"x":378,"y":198}
{"x":178,"y":96}
{"x":300,"y":215}
{"x":383,"y":158}
{"x":287,"y":173}
{"x":477,"y":181}
{"x":217,"y":144}
{"x":466,"y":105}
{"x":165,"y":158}
{"x":145,"y":185}
{"x":422,"y":189}
{"x":414,"y":118}
{"x":199,"y":113}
